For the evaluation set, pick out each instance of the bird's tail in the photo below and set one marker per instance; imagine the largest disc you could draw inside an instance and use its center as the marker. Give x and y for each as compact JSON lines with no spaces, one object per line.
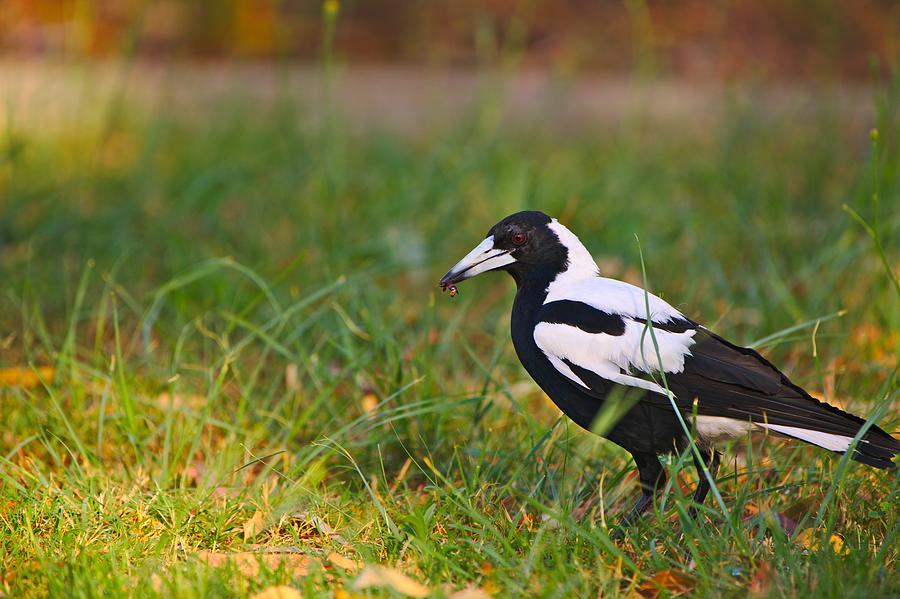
{"x":876,"y":448}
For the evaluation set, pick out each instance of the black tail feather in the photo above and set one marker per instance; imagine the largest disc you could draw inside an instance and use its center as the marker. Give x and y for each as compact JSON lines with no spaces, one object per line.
{"x":877,"y":449}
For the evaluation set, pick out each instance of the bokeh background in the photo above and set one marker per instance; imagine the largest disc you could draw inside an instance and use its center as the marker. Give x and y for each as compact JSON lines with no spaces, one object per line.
{"x":773,"y":39}
{"x":221,"y":230}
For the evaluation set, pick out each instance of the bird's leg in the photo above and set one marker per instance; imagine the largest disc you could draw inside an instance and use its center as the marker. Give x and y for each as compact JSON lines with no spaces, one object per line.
{"x":641,"y":505}
{"x":652,"y":477}
{"x":711,"y":458}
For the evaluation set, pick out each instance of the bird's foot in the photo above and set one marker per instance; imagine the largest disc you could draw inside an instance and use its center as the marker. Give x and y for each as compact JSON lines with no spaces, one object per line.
{"x":643,"y":504}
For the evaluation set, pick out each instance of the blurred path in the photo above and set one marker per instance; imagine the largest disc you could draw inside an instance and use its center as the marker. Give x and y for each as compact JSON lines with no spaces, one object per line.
{"x":39,"y":96}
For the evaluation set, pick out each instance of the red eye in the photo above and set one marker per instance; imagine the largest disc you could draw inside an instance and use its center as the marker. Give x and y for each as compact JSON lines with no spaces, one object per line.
{"x":518,"y":238}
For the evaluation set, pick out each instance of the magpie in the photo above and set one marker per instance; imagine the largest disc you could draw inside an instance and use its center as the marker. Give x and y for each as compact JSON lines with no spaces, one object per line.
{"x":584,"y":338}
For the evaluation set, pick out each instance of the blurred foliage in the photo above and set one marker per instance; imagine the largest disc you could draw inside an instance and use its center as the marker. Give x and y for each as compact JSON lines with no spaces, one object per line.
{"x":777,"y":38}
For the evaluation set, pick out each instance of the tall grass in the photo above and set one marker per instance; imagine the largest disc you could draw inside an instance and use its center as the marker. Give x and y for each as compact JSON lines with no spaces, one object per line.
{"x":242,"y":317}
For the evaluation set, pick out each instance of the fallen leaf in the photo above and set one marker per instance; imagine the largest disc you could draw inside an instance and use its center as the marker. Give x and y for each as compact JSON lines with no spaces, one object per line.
{"x":381,"y":577}
{"x":279,"y":592}
{"x":248,"y":563}
{"x":582,"y":508}
{"x":685,"y":484}
{"x":253,"y":526}
{"x":809,"y":539}
{"x":25,"y":376}
{"x":470,"y":592}
{"x":369,"y":402}
{"x":673,"y":581}
{"x":762,"y":579}
{"x":343,"y":562}
{"x":802,"y":507}
{"x":837,"y":544}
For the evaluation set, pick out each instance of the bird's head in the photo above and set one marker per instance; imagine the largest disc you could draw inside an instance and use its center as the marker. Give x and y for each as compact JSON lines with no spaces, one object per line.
{"x":526,"y":245}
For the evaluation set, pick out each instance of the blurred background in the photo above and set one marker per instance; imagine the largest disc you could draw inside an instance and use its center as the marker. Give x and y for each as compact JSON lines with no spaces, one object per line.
{"x":405,"y":63}
{"x":778,"y":39}
{"x":162,"y":133}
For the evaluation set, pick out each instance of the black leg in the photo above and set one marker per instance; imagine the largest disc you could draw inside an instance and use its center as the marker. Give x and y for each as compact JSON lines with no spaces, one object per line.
{"x":652,"y":477}
{"x":711,"y":458}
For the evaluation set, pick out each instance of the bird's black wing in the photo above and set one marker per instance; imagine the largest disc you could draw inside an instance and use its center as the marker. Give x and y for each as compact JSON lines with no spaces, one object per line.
{"x":595,"y":336}
{"x":736,"y":382}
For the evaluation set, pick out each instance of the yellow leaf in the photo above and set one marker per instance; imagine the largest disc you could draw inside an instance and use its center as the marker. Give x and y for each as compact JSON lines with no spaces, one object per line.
{"x":381,"y":577}
{"x":253,"y":526}
{"x":809,"y":538}
{"x":806,"y":538}
{"x":369,"y":402}
{"x":279,"y":592}
{"x":25,"y":376}
{"x":837,"y":545}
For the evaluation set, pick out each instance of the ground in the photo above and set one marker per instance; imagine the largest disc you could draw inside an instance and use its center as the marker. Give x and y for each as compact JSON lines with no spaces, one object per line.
{"x":227,"y":365}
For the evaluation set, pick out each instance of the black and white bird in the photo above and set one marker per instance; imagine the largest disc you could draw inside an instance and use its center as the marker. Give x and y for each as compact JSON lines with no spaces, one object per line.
{"x":580,"y":336}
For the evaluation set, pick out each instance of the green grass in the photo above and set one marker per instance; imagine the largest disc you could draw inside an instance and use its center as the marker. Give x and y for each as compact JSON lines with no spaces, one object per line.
{"x":275,"y":279}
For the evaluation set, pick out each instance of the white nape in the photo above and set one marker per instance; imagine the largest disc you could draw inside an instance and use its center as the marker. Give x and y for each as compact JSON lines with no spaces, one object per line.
{"x":581,"y":264}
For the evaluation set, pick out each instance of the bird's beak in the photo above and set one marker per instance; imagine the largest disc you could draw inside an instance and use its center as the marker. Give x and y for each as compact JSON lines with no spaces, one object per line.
{"x":483,"y":258}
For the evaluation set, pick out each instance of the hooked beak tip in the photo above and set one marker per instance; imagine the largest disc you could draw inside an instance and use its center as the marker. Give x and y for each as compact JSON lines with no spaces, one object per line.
{"x":448,"y":282}
{"x":482,"y":258}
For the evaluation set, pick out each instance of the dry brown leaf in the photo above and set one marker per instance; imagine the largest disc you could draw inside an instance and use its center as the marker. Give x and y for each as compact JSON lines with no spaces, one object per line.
{"x":803,"y":506}
{"x":253,"y":526}
{"x":25,"y":376}
{"x":582,"y":508}
{"x":381,"y":577}
{"x":279,"y":592}
{"x":248,"y":563}
{"x":762,"y":579}
{"x":343,"y":562}
{"x":673,"y":581}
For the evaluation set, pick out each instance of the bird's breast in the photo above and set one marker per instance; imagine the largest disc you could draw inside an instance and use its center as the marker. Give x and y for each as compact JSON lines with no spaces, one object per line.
{"x":575,"y":403}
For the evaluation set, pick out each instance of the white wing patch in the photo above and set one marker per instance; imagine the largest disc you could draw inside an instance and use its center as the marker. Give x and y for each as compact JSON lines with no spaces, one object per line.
{"x":824,"y":440}
{"x":564,"y":369}
{"x":611,"y":295}
{"x":614,"y":357}
{"x":720,"y":428}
